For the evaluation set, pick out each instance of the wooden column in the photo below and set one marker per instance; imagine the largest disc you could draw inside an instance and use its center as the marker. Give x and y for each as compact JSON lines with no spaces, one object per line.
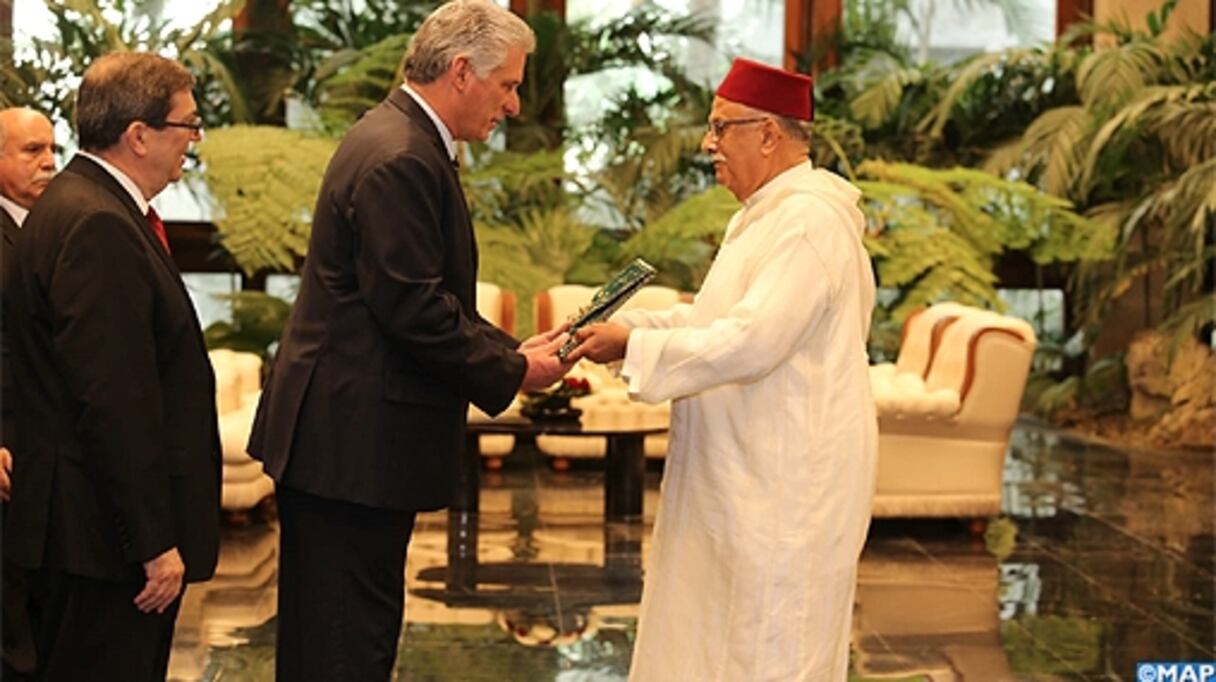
{"x":6,"y":26}
{"x":1069,"y":12}
{"x":525,"y":7}
{"x":806,"y":20}
{"x":263,"y":73}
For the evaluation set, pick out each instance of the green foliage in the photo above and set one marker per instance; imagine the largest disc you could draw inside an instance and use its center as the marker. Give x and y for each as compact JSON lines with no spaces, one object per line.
{"x":648,"y":175}
{"x":682,"y":242}
{"x":503,"y":186}
{"x":332,"y":26}
{"x":528,"y":232}
{"x":257,"y":322}
{"x":644,"y":37}
{"x":1001,"y":537}
{"x":1075,"y":644}
{"x":352,"y":53}
{"x":992,"y":95}
{"x":837,"y":144}
{"x":936,"y":233}
{"x":87,"y":29}
{"x":1103,"y":389}
{"x":350,"y":82}
{"x":265,"y":180}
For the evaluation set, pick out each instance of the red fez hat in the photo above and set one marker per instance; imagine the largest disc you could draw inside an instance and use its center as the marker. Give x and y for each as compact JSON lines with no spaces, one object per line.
{"x":766,"y":88}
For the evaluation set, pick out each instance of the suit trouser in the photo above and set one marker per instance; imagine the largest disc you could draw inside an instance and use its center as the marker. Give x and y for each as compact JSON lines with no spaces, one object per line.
{"x":341,"y":588}
{"x":89,"y":630}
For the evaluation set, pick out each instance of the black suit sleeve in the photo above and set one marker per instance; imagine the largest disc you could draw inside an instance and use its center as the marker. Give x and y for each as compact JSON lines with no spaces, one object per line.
{"x":400,"y":259}
{"x":494,"y":332}
{"x":104,"y":335}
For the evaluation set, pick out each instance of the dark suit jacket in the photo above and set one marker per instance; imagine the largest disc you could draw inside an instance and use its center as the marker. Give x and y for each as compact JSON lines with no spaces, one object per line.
{"x":384,"y":348}
{"x":119,"y":449}
{"x":8,"y":398}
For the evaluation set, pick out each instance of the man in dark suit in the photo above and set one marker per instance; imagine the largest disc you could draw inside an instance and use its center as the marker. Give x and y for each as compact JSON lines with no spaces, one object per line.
{"x":27,"y":164}
{"x":116,"y":484}
{"x":363,"y":417}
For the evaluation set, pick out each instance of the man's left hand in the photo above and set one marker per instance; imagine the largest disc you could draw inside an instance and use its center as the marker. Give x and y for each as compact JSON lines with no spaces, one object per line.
{"x":165,"y":573}
{"x":544,"y":338}
{"x":603,"y":342}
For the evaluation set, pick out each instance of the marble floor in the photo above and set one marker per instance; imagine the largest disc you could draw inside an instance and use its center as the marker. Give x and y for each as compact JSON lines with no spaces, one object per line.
{"x":1103,"y":557}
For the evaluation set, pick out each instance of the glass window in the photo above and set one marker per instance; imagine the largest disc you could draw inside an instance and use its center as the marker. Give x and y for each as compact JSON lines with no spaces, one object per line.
{"x":286,"y":287}
{"x":949,"y":30}
{"x":204,"y":287}
{"x":747,"y":28}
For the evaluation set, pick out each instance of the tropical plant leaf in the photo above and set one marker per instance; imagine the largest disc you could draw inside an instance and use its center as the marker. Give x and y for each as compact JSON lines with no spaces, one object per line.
{"x":353,"y":82}
{"x":1054,"y":144}
{"x":265,"y":181}
{"x":885,"y":79}
{"x":1108,"y":78}
{"x":682,"y":242}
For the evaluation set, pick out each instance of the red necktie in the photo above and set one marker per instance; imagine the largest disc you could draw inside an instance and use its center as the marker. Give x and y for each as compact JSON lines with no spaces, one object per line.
{"x":158,"y":227}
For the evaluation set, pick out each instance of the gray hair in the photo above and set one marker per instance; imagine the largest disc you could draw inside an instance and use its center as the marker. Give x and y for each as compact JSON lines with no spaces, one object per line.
{"x":795,"y":129}
{"x":477,"y":29}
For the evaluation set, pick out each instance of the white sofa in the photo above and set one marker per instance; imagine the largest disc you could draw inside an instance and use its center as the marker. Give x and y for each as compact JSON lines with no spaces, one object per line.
{"x":608,"y":405}
{"x":238,"y":385}
{"x":943,"y":434}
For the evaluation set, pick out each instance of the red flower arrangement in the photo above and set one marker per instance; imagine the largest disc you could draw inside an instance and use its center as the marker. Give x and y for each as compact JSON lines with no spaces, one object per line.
{"x":555,"y":402}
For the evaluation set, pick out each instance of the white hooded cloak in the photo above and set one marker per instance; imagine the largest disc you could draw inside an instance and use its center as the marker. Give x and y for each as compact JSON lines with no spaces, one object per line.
{"x":770,"y":472}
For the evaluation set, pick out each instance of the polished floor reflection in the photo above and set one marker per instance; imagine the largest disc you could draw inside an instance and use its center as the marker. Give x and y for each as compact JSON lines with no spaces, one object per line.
{"x":1103,"y":557}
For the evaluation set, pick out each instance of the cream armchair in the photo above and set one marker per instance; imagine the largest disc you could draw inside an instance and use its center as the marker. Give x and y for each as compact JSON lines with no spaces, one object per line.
{"x":238,"y":385}
{"x":608,"y":404}
{"x":943,"y":434}
{"x":498,"y":307}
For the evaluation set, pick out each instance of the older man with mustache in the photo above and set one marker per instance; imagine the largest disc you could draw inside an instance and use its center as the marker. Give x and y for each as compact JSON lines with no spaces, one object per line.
{"x":767,"y":486}
{"x":27,"y":164}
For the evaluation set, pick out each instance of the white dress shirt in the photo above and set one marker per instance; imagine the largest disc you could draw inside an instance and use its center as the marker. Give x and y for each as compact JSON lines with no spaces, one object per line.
{"x":448,"y":143}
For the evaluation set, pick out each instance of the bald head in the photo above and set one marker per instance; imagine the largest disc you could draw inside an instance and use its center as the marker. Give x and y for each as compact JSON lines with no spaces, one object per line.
{"x":27,"y":154}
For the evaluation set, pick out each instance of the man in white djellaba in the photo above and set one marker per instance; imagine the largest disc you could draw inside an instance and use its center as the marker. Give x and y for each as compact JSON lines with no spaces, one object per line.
{"x":769,"y":478}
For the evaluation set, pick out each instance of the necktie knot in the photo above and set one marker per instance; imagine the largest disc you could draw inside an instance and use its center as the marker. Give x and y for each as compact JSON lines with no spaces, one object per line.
{"x":158,"y":228}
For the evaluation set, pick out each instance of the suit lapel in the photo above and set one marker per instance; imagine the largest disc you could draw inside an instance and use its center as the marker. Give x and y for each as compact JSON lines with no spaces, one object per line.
{"x":101,"y":176}
{"x":403,"y":102}
{"x":139,"y":222}
{"x":9,"y":227}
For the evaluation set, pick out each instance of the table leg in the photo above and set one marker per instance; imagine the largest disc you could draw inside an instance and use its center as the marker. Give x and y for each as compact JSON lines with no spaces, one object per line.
{"x":623,"y":551}
{"x":624,"y":478}
{"x":467,"y":495}
{"x":462,"y":519}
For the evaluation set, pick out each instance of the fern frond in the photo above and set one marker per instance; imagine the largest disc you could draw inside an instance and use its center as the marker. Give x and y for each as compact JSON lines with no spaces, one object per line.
{"x":265,"y":181}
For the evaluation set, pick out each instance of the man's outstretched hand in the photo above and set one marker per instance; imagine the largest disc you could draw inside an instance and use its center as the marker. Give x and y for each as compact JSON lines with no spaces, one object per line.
{"x":544,"y":367}
{"x":603,"y":342}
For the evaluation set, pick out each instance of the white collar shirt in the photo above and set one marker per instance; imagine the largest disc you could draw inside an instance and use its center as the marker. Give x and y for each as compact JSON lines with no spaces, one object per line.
{"x":122,"y":178}
{"x":15,"y":210}
{"x":448,"y":143}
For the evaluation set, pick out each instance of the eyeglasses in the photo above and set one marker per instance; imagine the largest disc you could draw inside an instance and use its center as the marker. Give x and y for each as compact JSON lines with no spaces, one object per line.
{"x":195,"y":125}
{"x":716,"y":129}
